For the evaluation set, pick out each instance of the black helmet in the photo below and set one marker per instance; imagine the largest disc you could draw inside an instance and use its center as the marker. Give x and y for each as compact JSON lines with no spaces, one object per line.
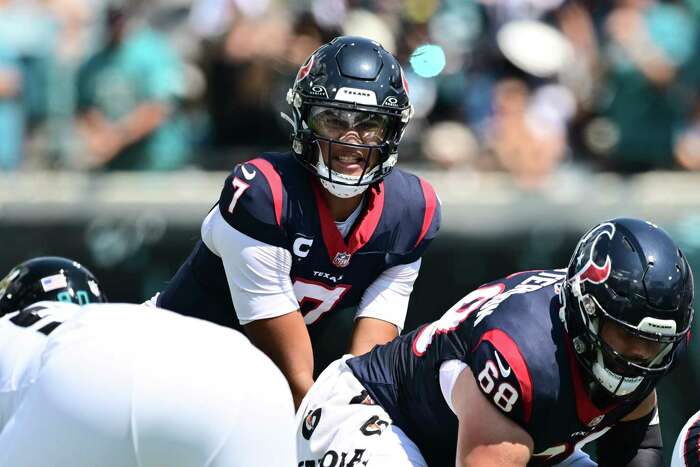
{"x":630,"y":272}
{"x":48,"y":278}
{"x":349,"y":77}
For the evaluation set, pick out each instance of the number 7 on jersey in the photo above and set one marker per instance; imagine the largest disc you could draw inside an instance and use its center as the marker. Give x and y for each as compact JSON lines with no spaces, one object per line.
{"x":239,"y":186}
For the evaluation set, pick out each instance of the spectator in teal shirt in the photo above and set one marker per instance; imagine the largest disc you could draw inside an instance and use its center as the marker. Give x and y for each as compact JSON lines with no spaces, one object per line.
{"x":127,"y":101}
{"x":648,"y":44}
{"x":11,"y":113}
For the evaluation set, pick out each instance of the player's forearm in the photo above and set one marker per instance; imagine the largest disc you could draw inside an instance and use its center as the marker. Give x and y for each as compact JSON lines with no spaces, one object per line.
{"x":297,"y":368}
{"x":286,"y":341}
{"x":300,"y":383}
{"x":502,"y":454}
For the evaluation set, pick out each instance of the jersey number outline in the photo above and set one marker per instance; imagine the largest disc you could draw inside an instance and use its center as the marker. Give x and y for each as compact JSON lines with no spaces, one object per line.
{"x":81,"y":296}
{"x":38,"y":318}
{"x":324,"y":297}
{"x":239,"y":187}
{"x":454,"y":316}
{"x":506,"y":396}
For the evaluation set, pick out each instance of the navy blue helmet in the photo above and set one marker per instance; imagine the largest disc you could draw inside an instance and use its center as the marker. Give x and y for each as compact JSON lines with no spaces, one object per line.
{"x":350,"y":82}
{"x":631,"y":273}
{"x":49,"y":278}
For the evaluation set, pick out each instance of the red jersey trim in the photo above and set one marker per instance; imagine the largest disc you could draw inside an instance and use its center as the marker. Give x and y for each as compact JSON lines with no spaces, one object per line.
{"x":586,"y":410}
{"x":273,"y":179}
{"x":363,"y":229}
{"x":430,"y":205}
{"x":509,"y":349}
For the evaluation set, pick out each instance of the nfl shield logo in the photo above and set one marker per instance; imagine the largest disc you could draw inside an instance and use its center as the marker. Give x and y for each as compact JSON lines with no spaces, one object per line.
{"x":341,"y":259}
{"x":595,"y":421}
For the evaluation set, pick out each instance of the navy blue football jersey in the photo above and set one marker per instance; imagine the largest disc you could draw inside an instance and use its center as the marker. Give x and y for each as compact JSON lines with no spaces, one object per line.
{"x":510,"y":335}
{"x":275,"y":200}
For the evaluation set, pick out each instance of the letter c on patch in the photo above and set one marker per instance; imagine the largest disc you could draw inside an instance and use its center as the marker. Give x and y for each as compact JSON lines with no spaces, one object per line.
{"x":302,"y":246}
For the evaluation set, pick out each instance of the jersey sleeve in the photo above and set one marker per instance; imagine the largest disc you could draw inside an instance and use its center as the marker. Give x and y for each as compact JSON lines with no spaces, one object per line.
{"x":429,"y":223}
{"x":252,"y":201}
{"x":387,"y":297}
{"x":502,"y":375}
{"x":257,"y":273}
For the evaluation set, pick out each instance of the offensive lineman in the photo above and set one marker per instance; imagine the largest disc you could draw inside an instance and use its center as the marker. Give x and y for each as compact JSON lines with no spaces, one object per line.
{"x":118,"y":385}
{"x":321,"y":236}
{"x":523,"y":370}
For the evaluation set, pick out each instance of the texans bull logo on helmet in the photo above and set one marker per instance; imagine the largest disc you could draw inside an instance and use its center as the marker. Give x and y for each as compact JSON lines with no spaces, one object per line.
{"x":404,"y":82}
{"x":587,"y":269}
{"x":304,"y":70}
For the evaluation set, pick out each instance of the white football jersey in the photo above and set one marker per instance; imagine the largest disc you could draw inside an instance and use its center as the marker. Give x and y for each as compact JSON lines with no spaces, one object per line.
{"x":20,"y":362}
{"x":120,"y":385}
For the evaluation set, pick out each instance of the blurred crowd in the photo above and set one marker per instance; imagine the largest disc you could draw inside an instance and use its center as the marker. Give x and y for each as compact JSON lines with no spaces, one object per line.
{"x":529,"y":87}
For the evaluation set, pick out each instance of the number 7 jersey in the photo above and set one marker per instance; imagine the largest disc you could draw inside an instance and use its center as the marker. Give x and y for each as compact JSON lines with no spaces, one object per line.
{"x":274,"y":201}
{"x":510,"y":335}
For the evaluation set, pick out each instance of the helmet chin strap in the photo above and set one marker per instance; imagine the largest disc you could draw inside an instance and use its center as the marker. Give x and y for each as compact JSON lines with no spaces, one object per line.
{"x":289,"y":120}
{"x":350,"y":185}
{"x":616,"y":384}
{"x":348,"y":189}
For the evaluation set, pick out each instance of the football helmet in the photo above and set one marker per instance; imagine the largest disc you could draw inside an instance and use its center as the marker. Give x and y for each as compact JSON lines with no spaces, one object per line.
{"x":50,"y":278}
{"x":629,"y":273}
{"x":349,"y":84}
